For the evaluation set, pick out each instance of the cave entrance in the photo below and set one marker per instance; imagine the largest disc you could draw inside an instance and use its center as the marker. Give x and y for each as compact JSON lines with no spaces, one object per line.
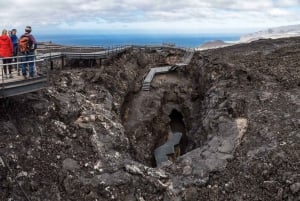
{"x":176,"y":143}
{"x":177,"y":125}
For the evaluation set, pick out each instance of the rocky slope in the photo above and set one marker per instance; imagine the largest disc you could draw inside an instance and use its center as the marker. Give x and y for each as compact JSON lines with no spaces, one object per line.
{"x":92,"y":133}
{"x":213,"y":44}
{"x":277,"y":32}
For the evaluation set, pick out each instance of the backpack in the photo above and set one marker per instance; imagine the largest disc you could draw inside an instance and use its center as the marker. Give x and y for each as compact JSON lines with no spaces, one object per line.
{"x":24,"y":44}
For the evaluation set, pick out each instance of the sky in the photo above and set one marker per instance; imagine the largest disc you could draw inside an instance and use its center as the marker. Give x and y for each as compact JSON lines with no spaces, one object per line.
{"x":145,"y":16}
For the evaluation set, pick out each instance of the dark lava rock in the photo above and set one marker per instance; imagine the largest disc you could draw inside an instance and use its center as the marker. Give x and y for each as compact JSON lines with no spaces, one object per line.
{"x":92,"y":133}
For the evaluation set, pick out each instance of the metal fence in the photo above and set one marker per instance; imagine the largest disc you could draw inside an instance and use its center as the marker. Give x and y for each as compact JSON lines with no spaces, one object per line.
{"x":15,"y":65}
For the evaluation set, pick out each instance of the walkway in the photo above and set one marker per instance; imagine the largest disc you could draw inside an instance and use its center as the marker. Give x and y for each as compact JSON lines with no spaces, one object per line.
{"x":82,"y":55}
{"x":17,"y":84}
{"x":161,"y":153}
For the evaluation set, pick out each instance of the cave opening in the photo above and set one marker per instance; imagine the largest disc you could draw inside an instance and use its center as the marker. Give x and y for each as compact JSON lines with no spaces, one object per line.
{"x":176,"y":143}
{"x":177,"y":125}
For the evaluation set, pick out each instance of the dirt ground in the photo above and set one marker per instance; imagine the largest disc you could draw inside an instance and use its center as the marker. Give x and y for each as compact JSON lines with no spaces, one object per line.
{"x":92,"y":133}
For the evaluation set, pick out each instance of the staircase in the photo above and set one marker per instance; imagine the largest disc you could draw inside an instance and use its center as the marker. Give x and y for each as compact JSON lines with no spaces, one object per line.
{"x":153,"y":71}
{"x":162,"y":152}
{"x":186,"y":59}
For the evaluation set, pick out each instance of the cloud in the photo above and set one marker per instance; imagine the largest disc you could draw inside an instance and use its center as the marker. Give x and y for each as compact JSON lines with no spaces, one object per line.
{"x":276,"y":12}
{"x":288,"y":3}
{"x":159,"y":14}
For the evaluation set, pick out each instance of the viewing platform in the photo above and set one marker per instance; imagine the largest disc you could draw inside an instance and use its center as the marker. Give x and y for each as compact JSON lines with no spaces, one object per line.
{"x":16,"y":83}
{"x":19,"y":84}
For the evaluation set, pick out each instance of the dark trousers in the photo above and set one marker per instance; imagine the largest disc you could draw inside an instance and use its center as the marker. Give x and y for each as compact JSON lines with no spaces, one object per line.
{"x":5,"y":67}
{"x":29,"y":58}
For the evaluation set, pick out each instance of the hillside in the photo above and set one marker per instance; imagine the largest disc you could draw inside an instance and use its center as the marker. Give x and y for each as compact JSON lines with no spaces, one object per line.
{"x":213,"y":44}
{"x":277,"y":32}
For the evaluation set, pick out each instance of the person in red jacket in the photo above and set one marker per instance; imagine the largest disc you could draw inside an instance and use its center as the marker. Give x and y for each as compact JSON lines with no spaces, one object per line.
{"x":6,"y":51}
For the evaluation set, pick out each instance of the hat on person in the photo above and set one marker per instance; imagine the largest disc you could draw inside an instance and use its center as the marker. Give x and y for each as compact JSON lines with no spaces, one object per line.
{"x":28,"y":29}
{"x":14,"y":30}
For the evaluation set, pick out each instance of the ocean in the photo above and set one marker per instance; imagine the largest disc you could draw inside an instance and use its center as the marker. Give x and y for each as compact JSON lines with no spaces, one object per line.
{"x":135,"y":39}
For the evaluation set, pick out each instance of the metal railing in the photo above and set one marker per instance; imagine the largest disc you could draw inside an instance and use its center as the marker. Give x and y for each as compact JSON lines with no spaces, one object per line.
{"x":18,"y":84}
{"x":16,"y":67}
{"x":74,"y":52}
{"x":93,"y":52}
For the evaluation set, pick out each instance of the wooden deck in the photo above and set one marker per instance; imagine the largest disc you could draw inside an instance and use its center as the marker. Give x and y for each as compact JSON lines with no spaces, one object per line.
{"x":19,"y":85}
{"x":15,"y":78}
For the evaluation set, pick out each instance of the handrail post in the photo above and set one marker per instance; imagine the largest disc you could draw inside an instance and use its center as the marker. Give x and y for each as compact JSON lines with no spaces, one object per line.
{"x":47,"y":69}
{"x":51,"y":62}
{"x":34,"y":64}
{"x":2,"y":72}
{"x":62,"y":62}
{"x":17,"y":60}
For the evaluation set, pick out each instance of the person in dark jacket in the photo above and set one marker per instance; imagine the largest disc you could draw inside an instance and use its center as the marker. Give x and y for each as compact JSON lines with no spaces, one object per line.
{"x":6,"y":51}
{"x":14,"y":40}
{"x":28,"y":56}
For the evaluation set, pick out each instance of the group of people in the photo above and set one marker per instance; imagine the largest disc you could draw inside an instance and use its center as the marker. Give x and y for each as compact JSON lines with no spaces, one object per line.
{"x":11,"y":46}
